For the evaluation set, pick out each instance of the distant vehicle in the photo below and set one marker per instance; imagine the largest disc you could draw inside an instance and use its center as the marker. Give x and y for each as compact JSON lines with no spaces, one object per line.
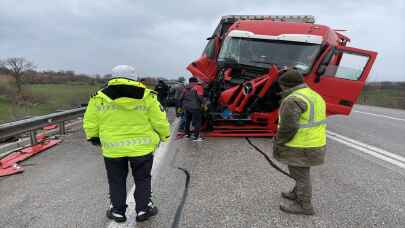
{"x":243,"y":60}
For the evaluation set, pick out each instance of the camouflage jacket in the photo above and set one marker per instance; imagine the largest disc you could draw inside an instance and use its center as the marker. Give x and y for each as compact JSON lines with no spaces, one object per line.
{"x":290,"y":112}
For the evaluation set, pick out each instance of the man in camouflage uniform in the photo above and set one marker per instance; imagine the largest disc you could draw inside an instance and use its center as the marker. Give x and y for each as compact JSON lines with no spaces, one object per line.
{"x":301,"y":138}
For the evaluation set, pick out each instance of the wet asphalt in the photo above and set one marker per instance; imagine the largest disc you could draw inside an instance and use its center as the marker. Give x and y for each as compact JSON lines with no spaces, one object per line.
{"x":231,"y":185}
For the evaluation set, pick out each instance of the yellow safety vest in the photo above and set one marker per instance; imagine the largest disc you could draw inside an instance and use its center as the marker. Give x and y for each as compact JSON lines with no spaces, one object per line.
{"x":312,"y":123}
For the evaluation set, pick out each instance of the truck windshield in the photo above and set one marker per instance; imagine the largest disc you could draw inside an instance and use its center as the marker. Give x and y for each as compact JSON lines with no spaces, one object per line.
{"x":264,"y":53}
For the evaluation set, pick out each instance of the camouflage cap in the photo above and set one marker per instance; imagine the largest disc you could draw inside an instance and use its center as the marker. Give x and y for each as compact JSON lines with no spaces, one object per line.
{"x":291,"y":78}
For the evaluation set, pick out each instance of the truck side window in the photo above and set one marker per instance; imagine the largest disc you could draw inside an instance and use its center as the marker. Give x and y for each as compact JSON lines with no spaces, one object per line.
{"x":209,"y":50}
{"x":347,"y":65}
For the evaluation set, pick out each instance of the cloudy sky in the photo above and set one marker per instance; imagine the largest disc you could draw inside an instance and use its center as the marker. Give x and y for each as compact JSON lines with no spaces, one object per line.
{"x":162,"y":37}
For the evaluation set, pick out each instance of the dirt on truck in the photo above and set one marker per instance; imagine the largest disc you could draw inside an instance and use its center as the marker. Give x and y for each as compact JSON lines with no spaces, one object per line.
{"x":246,"y":54}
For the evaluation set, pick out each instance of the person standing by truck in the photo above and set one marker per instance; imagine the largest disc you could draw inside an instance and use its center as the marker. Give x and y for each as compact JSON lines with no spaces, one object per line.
{"x":163,"y":92}
{"x":178,"y":92}
{"x":126,"y":119}
{"x":300,"y":142}
{"x":192,"y":102}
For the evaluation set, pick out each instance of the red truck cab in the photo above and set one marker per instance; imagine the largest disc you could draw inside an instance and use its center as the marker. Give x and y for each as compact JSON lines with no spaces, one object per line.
{"x":243,"y":59}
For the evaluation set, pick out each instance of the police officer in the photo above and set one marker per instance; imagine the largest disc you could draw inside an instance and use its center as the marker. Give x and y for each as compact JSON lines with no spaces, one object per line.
{"x":301,"y":138}
{"x":126,"y":119}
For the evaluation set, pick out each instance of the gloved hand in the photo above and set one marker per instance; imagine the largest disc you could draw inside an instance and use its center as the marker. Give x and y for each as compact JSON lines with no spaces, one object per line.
{"x":179,"y":111}
{"x":95,"y":141}
{"x":165,"y":139}
{"x":205,"y":107}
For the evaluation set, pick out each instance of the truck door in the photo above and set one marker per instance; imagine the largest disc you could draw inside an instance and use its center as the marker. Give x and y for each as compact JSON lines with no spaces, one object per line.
{"x":342,"y":76}
{"x":205,"y":68}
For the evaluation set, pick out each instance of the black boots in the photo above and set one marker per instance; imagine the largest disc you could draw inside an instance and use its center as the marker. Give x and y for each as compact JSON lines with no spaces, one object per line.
{"x":117,"y":217}
{"x":150,"y":211}
{"x":141,"y":216}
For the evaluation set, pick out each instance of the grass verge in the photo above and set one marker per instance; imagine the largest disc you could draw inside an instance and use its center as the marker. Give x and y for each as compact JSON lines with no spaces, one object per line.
{"x":383,"y":97}
{"x":48,"y":98}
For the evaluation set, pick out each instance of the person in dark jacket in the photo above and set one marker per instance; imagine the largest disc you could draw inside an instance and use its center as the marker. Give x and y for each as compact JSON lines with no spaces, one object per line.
{"x":178,"y":92}
{"x":192,"y":101}
{"x":163,"y":91}
{"x":300,"y":142}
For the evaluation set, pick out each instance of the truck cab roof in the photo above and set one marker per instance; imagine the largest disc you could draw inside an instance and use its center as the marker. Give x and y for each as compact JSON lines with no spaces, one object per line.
{"x":275,"y":28}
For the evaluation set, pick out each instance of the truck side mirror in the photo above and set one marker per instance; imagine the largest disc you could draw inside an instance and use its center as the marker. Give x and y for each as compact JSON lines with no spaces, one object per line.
{"x":321,"y":70}
{"x":211,"y":37}
{"x":325,"y":62}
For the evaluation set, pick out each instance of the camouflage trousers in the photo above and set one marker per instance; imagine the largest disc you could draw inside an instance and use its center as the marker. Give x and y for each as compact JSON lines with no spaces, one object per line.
{"x":303,"y":186}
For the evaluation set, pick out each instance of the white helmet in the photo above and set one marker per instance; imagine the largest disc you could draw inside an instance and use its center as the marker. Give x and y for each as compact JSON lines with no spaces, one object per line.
{"x":124,"y":71}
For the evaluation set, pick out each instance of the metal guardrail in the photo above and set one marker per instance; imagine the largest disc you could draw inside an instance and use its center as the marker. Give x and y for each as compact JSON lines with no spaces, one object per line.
{"x":31,"y":125}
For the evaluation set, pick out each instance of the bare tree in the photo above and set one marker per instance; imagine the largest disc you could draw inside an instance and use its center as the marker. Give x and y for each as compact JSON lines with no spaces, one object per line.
{"x":17,"y":66}
{"x":107,"y":77}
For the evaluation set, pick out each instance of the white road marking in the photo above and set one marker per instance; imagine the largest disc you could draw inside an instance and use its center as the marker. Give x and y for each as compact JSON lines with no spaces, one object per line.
{"x":157,"y":161}
{"x":370,"y":150}
{"x":379,"y":115}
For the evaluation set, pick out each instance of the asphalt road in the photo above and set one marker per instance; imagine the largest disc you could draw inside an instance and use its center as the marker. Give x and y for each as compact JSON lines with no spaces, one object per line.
{"x":362,"y":183}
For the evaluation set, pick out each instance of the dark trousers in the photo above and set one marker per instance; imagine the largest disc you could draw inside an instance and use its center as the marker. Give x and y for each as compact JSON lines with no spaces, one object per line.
{"x":117,"y":172}
{"x":182,"y":121}
{"x":303,"y":186}
{"x":193,"y":116}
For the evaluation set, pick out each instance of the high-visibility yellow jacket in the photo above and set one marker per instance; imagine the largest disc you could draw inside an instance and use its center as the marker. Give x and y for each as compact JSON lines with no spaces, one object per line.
{"x":312,"y":123}
{"x":127,"y":118}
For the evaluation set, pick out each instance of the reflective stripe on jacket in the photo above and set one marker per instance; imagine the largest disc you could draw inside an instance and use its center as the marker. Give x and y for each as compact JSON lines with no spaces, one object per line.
{"x":312,"y":123}
{"x":127,"y":118}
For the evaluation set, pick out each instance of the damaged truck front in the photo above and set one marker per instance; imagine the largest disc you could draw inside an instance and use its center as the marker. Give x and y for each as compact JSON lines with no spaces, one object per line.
{"x":245,"y":56}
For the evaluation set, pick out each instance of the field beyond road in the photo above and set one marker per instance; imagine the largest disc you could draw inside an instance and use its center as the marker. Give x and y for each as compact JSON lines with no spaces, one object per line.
{"x":46,"y":98}
{"x":383,"y":97}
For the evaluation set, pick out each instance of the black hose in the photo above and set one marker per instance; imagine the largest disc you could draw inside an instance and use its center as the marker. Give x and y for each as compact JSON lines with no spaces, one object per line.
{"x":268,"y":159}
{"x":179,"y":210}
